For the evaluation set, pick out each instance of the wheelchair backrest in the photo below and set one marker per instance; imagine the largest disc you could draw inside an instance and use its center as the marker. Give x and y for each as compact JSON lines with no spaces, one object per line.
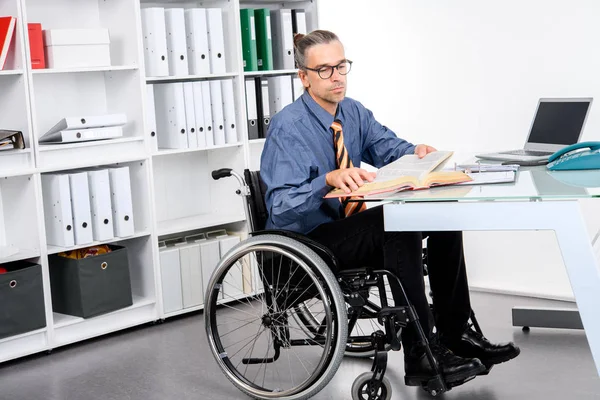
{"x":256,"y":201}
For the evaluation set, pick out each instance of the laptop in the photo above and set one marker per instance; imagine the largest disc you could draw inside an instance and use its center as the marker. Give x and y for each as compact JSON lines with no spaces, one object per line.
{"x":558,"y":122}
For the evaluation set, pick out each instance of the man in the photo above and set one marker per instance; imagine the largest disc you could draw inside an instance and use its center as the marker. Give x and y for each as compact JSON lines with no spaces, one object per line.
{"x":313,"y":146}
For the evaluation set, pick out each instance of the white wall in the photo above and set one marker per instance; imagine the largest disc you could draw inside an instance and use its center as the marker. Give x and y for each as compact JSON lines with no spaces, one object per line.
{"x":465,"y":75}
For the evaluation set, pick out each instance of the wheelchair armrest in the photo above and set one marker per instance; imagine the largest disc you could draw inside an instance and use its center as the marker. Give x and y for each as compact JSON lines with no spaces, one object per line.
{"x":321,"y":250}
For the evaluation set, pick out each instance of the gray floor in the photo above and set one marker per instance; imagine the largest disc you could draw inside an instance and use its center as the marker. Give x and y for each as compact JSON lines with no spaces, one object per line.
{"x":171,"y":361}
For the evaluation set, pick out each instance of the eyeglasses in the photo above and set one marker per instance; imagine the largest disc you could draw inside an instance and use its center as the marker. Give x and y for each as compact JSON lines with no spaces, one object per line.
{"x":326,"y":71}
{"x":11,"y":139}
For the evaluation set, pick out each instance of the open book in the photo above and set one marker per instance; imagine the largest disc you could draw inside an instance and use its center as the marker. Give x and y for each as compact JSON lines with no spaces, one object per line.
{"x":408,"y":173}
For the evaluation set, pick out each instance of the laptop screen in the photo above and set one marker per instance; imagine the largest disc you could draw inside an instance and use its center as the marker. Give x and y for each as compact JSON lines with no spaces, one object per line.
{"x":558,"y":122}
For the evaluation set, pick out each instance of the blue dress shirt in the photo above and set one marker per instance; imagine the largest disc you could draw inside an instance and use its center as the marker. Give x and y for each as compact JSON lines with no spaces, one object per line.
{"x":299,"y":151}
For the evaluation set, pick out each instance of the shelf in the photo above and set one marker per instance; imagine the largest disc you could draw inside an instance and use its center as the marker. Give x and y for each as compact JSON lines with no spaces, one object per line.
{"x":63,"y":146}
{"x":24,"y":344}
{"x":63,"y":320}
{"x":50,"y":71}
{"x":181,"y":151}
{"x":11,"y":72}
{"x":253,"y":3}
{"x":167,"y":79}
{"x":23,"y":254}
{"x":184,"y":311}
{"x":270,"y":73}
{"x":8,"y":153}
{"x":257,"y":141}
{"x":16,"y":162}
{"x":58,"y":249}
{"x":197,"y":222}
{"x":23,"y":335}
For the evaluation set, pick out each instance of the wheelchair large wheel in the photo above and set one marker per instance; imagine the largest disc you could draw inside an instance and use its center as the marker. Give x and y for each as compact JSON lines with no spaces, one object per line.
{"x":250,"y":323}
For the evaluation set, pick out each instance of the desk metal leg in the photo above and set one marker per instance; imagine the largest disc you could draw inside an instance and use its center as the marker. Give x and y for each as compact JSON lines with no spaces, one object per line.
{"x":561,"y":318}
{"x":563,"y":217}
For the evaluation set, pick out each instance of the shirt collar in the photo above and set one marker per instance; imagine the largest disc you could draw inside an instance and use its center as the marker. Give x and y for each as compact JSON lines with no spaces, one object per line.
{"x":319,"y":112}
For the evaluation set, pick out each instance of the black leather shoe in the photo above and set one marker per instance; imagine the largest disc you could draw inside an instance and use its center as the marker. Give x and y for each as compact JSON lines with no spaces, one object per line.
{"x":474,"y":345}
{"x":455,"y":370}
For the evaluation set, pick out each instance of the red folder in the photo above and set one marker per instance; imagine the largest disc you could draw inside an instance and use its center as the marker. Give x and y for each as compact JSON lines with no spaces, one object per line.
{"x":7,"y":29}
{"x":36,"y":46}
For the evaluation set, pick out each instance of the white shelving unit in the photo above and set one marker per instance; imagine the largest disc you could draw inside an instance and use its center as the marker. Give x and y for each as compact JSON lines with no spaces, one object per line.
{"x":173,"y":192}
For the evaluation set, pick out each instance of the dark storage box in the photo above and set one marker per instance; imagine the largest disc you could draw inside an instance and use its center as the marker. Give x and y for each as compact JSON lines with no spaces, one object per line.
{"x":91,"y":286}
{"x":21,"y":299}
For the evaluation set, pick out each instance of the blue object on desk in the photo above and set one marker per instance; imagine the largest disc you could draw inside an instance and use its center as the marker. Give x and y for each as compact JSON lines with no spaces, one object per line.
{"x":576,"y":157}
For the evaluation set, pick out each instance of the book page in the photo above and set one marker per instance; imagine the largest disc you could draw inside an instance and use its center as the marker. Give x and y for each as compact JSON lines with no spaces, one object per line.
{"x":376,"y":187}
{"x":412,"y":165}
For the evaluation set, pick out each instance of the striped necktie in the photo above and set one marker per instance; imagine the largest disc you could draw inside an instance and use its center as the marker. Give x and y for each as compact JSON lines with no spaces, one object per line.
{"x":342,"y":160}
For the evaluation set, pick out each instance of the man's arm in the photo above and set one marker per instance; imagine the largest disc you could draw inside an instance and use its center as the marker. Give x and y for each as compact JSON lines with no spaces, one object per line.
{"x":295,"y":187}
{"x":381,"y":146}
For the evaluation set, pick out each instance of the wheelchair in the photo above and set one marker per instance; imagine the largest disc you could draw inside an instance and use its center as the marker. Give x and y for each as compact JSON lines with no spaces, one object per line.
{"x":280,"y":314}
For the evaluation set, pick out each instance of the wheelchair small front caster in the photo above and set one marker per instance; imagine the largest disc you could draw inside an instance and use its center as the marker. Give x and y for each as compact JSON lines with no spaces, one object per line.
{"x":362,"y":388}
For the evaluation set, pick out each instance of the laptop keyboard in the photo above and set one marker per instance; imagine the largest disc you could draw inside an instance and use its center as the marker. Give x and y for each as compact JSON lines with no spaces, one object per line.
{"x":528,"y":153}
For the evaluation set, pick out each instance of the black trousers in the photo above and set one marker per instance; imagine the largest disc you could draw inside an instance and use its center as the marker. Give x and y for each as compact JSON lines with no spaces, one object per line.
{"x":360,"y":240}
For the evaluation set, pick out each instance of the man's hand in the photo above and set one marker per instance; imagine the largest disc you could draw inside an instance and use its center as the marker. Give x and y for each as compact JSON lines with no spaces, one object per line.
{"x":422,"y":150}
{"x":348,"y":179}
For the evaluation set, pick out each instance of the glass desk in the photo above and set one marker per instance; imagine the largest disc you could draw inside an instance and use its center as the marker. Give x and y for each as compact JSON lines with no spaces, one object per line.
{"x":537,"y":200}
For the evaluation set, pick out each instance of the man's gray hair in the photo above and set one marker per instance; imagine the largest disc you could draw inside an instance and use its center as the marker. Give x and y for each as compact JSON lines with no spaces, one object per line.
{"x":304,"y":42}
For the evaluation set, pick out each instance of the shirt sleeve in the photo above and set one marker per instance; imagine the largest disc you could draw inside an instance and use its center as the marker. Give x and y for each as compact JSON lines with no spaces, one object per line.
{"x":381,"y":146}
{"x":295,"y":187}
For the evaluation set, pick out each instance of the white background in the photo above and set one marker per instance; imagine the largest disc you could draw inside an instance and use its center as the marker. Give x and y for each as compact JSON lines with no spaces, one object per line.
{"x":466,"y":75}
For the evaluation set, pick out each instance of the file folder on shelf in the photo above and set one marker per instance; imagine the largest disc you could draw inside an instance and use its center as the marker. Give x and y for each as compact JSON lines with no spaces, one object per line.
{"x":283,"y":39}
{"x":216,"y":41}
{"x":191,"y":274}
{"x":208,"y":118}
{"x":197,"y":41}
{"x":100,"y":200}
{"x":83,"y":135}
{"x":170,"y":116}
{"x":299,"y":21}
{"x":280,"y":93}
{"x":210,"y":256}
{"x":7,"y":31}
{"x":231,"y":135}
{"x":233,"y":285}
{"x":298,"y":87}
{"x":216,"y":105}
{"x":84,"y":122}
{"x":249,"y":54}
{"x":176,"y":42}
{"x":190,"y":114}
{"x":81,"y":208}
{"x":121,"y":201}
{"x":251,"y":109}
{"x":264,"y":47}
{"x":155,"y":41}
{"x":36,"y":46}
{"x":58,"y":214}
{"x":170,"y":276}
{"x":151,"y":116}
{"x":263,"y":104}
{"x":199,"y":114}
